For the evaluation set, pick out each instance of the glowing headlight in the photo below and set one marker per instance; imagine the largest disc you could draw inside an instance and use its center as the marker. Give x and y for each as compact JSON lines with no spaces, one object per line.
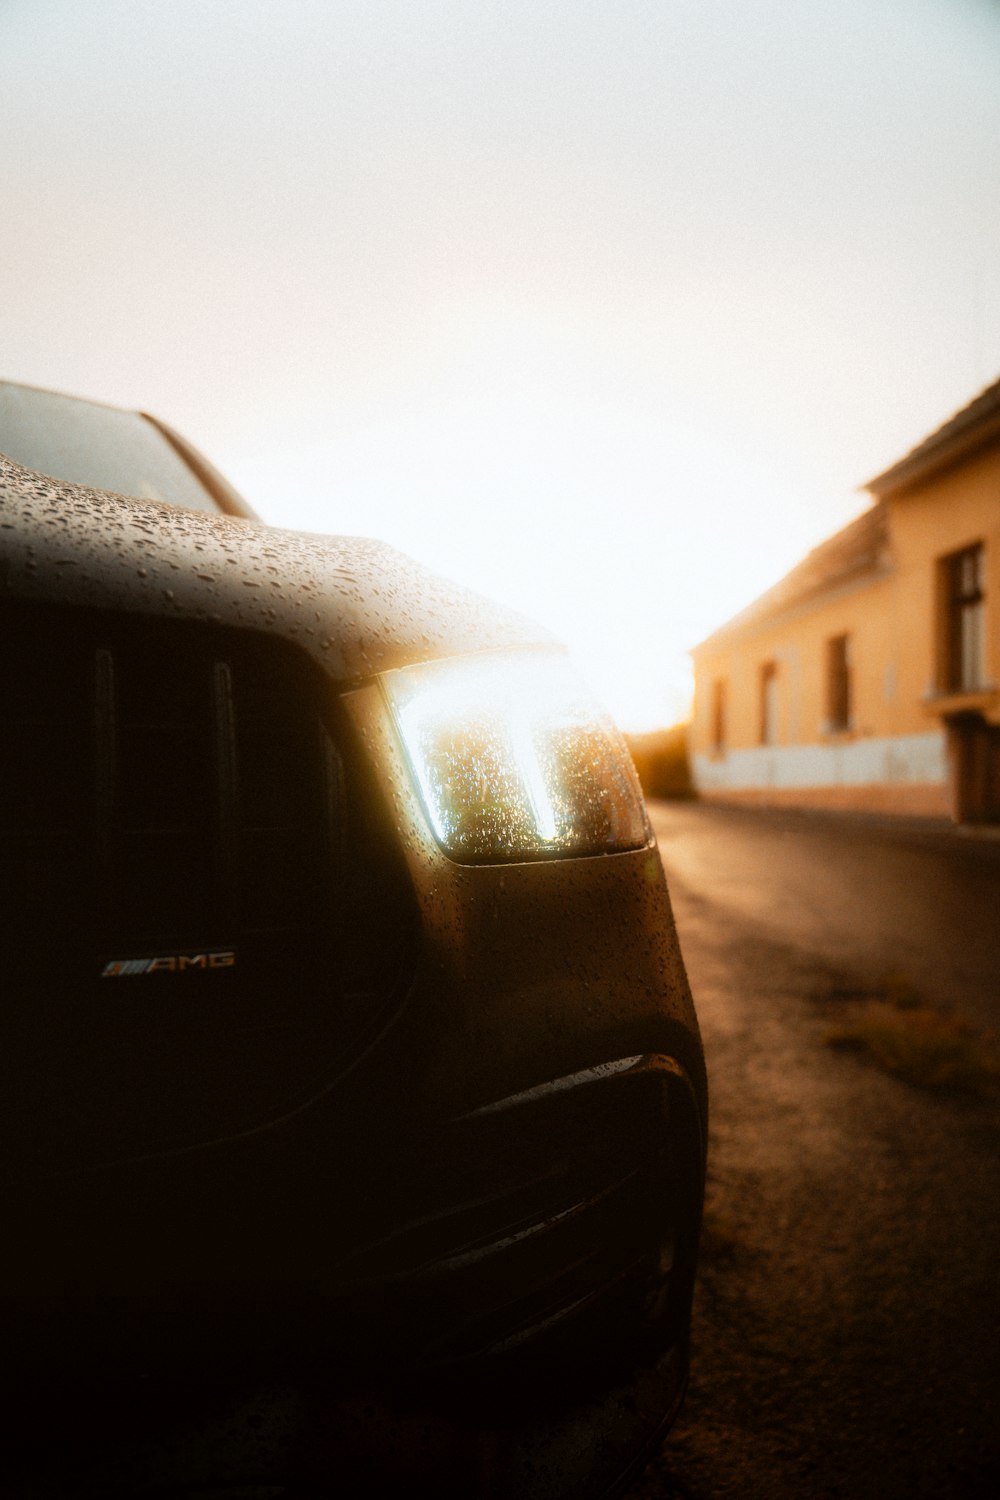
{"x":513,"y":761}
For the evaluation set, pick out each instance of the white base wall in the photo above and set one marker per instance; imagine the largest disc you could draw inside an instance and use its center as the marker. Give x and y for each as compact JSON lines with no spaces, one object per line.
{"x":898,"y":760}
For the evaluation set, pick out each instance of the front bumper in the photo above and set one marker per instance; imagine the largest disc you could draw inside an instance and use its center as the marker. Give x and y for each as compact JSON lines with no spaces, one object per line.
{"x":518,"y":1333}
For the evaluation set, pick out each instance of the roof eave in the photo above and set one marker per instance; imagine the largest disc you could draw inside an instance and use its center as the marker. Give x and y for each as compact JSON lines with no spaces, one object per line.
{"x":754,"y":617}
{"x":936,"y":455}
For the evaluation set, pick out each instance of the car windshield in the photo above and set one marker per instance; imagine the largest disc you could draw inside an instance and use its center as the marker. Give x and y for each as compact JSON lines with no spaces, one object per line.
{"x":101,"y":446}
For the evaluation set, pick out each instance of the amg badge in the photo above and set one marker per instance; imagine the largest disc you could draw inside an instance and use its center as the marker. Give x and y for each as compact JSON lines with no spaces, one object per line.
{"x":171,"y":963}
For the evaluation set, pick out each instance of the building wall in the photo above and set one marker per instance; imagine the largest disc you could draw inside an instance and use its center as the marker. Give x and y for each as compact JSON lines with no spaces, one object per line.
{"x":948,"y":513}
{"x":887,"y":759}
{"x":913,"y":743}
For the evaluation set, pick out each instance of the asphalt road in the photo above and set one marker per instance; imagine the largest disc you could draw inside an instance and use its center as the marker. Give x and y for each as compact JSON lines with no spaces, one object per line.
{"x":847,"y":1325}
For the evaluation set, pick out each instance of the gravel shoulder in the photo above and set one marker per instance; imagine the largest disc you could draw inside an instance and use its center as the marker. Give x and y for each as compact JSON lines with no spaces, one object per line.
{"x":847,"y":1325}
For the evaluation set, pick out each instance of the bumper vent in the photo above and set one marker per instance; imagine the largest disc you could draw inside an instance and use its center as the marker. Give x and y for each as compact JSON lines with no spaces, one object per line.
{"x":203,"y":920}
{"x":565,"y":1222}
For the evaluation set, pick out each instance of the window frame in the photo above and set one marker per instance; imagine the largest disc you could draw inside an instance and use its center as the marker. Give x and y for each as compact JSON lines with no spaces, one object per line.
{"x":768,"y":704}
{"x":719,"y":712}
{"x":962,"y":620}
{"x":839,"y":684}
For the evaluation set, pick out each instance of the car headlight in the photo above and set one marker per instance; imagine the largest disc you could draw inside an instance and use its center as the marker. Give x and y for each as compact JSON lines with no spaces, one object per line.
{"x":513,"y":761}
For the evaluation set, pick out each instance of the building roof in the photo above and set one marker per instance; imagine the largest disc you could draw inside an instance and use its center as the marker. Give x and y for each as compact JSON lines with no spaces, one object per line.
{"x":972,"y":428}
{"x":856,"y":553}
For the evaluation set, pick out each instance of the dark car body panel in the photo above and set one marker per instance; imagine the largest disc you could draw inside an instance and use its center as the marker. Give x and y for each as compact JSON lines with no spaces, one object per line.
{"x":455,"y":1237}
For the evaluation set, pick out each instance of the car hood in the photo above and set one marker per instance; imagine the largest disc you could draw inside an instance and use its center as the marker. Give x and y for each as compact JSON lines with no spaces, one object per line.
{"x":357,"y":606}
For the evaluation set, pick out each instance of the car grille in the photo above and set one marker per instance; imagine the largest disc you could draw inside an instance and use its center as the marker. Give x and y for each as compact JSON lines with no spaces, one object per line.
{"x":204,"y":919}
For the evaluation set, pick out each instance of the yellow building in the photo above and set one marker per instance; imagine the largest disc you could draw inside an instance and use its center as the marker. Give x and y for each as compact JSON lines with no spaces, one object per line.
{"x":868,"y":676}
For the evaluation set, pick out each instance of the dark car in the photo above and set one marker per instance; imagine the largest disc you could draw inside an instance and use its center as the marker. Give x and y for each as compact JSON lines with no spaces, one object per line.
{"x":354,"y":1106}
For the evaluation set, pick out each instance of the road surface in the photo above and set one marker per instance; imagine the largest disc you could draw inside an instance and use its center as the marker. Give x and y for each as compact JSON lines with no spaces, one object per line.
{"x":847,"y":1328}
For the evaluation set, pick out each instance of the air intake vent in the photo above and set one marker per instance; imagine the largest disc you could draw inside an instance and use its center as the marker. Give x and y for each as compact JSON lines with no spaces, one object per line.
{"x":203,"y":920}
{"x":548,"y":1232}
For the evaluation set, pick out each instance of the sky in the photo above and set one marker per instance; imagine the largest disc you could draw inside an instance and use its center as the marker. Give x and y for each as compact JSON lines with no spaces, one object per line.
{"x":605,"y":308}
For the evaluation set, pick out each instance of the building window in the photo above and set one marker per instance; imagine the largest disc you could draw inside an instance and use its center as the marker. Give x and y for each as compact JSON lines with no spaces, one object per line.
{"x":769,"y":703}
{"x":838,"y":683}
{"x":964,"y":620}
{"x":719,"y":716}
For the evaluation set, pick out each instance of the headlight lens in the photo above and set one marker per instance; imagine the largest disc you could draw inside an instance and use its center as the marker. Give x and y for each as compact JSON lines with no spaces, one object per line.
{"x":513,"y":760}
